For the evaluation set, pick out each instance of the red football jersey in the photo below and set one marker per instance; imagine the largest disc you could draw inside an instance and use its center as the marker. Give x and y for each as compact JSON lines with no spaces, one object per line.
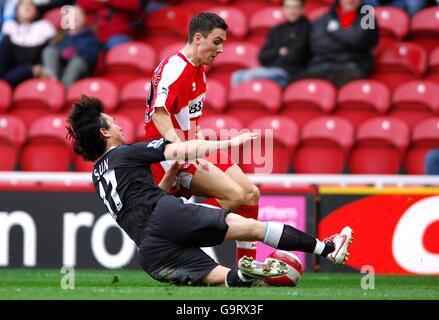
{"x":180,"y":87}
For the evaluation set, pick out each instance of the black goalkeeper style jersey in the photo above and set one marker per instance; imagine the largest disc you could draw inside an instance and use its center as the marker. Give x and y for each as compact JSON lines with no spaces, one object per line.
{"x":123,"y":180}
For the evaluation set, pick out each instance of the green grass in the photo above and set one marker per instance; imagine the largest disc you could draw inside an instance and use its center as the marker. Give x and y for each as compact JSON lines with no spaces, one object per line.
{"x":17,"y":284}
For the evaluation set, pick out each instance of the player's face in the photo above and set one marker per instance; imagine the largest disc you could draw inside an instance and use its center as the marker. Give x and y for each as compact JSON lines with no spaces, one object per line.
{"x":293,"y":10}
{"x":349,"y":5}
{"x":211,"y":46}
{"x":114,"y":130}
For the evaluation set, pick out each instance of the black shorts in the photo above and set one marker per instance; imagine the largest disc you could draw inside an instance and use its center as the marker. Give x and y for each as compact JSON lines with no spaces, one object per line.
{"x":170,"y":248}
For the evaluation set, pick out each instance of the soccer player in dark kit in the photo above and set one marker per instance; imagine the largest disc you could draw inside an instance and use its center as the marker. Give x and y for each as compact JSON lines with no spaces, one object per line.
{"x":168,"y":230}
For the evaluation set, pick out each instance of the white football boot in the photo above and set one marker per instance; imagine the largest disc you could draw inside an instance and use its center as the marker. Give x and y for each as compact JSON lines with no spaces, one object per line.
{"x":269,"y":268}
{"x":341,"y":242}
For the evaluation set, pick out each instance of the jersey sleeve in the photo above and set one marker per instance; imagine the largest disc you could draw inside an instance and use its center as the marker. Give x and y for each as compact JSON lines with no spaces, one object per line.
{"x":166,"y":85}
{"x":148,"y":152}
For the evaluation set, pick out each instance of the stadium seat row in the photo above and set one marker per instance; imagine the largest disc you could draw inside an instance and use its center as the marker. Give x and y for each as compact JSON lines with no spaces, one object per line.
{"x":301,"y":101}
{"x":328,"y":144}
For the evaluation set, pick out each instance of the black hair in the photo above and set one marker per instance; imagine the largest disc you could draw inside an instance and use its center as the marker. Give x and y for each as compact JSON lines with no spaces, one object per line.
{"x":204,"y":23}
{"x":83,"y":129}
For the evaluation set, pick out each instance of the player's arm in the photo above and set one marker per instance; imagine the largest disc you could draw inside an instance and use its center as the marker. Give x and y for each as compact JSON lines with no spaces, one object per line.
{"x":193,"y":149}
{"x":163,"y":123}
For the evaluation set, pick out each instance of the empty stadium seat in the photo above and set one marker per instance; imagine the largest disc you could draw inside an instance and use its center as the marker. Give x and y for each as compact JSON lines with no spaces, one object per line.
{"x":100,"y":88}
{"x":261,"y":21}
{"x":216,"y":98}
{"x":433,"y":66}
{"x":425,"y":28}
{"x":54,"y":16}
{"x":399,"y":63}
{"x":35,"y":98}
{"x":5,"y":96}
{"x":170,"y":49}
{"x":360,"y":100}
{"x":133,"y":100}
{"x":167,"y":25}
{"x":425,"y":137}
{"x":307,"y":99}
{"x":273,"y":153}
{"x":250,"y":6}
{"x":221,"y":127}
{"x":414,"y":101}
{"x":235,"y":19}
{"x":129,"y":61}
{"x":13,"y":133}
{"x":324,"y":146}
{"x":316,"y":12}
{"x":393,"y":23}
{"x":379,"y":146}
{"x":236,"y":55}
{"x":46,"y":148}
{"x":254,"y":99}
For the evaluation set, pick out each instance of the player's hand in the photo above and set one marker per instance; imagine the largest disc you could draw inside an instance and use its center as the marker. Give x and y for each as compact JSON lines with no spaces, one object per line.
{"x":200,"y":163}
{"x":244,"y":138}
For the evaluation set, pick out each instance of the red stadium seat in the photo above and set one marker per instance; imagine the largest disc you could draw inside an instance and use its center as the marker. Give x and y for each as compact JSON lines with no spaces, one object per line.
{"x":316,"y":12}
{"x":235,"y":19}
{"x":5,"y":96}
{"x":379,"y":147}
{"x":324,"y":146}
{"x":425,"y":28}
{"x":12,"y":135}
{"x":425,"y":137}
{"x":360,"y":100}
{"x":54,"y":16}
{"x":130,"y":136}
{"x":250,"y":6}
{"x":261,"y":21}
{"x":171,"y":49}
{"x":221,"y":127}
{"x":46,"y":148}
{"x":414,"y":101}
{"x":254,"y":99}
{"x":307,"y":99}
{"x":198,"y":6}
{"x":273,"y":153}
{"x":393,"y":25}
{"x":129,"y":61}
{"x":216,"y":98}
{"x":133,"y":100}
{"x":100,"y":88}
{"x":167,"y":25}
{"x":236,"y":55}
{"x":400,"y":63}
{"x":433,"y":66}
{"x":36,"y":98}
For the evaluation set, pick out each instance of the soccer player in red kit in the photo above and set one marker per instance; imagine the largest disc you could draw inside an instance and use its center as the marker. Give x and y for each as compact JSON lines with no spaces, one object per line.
{"x":174,"y":105}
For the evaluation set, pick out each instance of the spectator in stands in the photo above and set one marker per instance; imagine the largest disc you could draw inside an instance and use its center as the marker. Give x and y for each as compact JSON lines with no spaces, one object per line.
{"x":410,"y":6}
{"x":114,"y":21}
{"x":286,"y":49}
{"x":341,"y":44}
{"x":73,"y":53}
{"x":7,"y":12}
{"x":23,"y":42}
{"x":432,"y":162}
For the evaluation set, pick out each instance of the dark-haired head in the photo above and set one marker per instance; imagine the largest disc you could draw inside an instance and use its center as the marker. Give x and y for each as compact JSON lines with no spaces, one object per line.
{"x":204,"y":23}
{"x":84,"y":128}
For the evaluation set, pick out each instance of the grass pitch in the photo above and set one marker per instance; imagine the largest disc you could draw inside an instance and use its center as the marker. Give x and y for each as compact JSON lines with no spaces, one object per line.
{"x":30,"y":284}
